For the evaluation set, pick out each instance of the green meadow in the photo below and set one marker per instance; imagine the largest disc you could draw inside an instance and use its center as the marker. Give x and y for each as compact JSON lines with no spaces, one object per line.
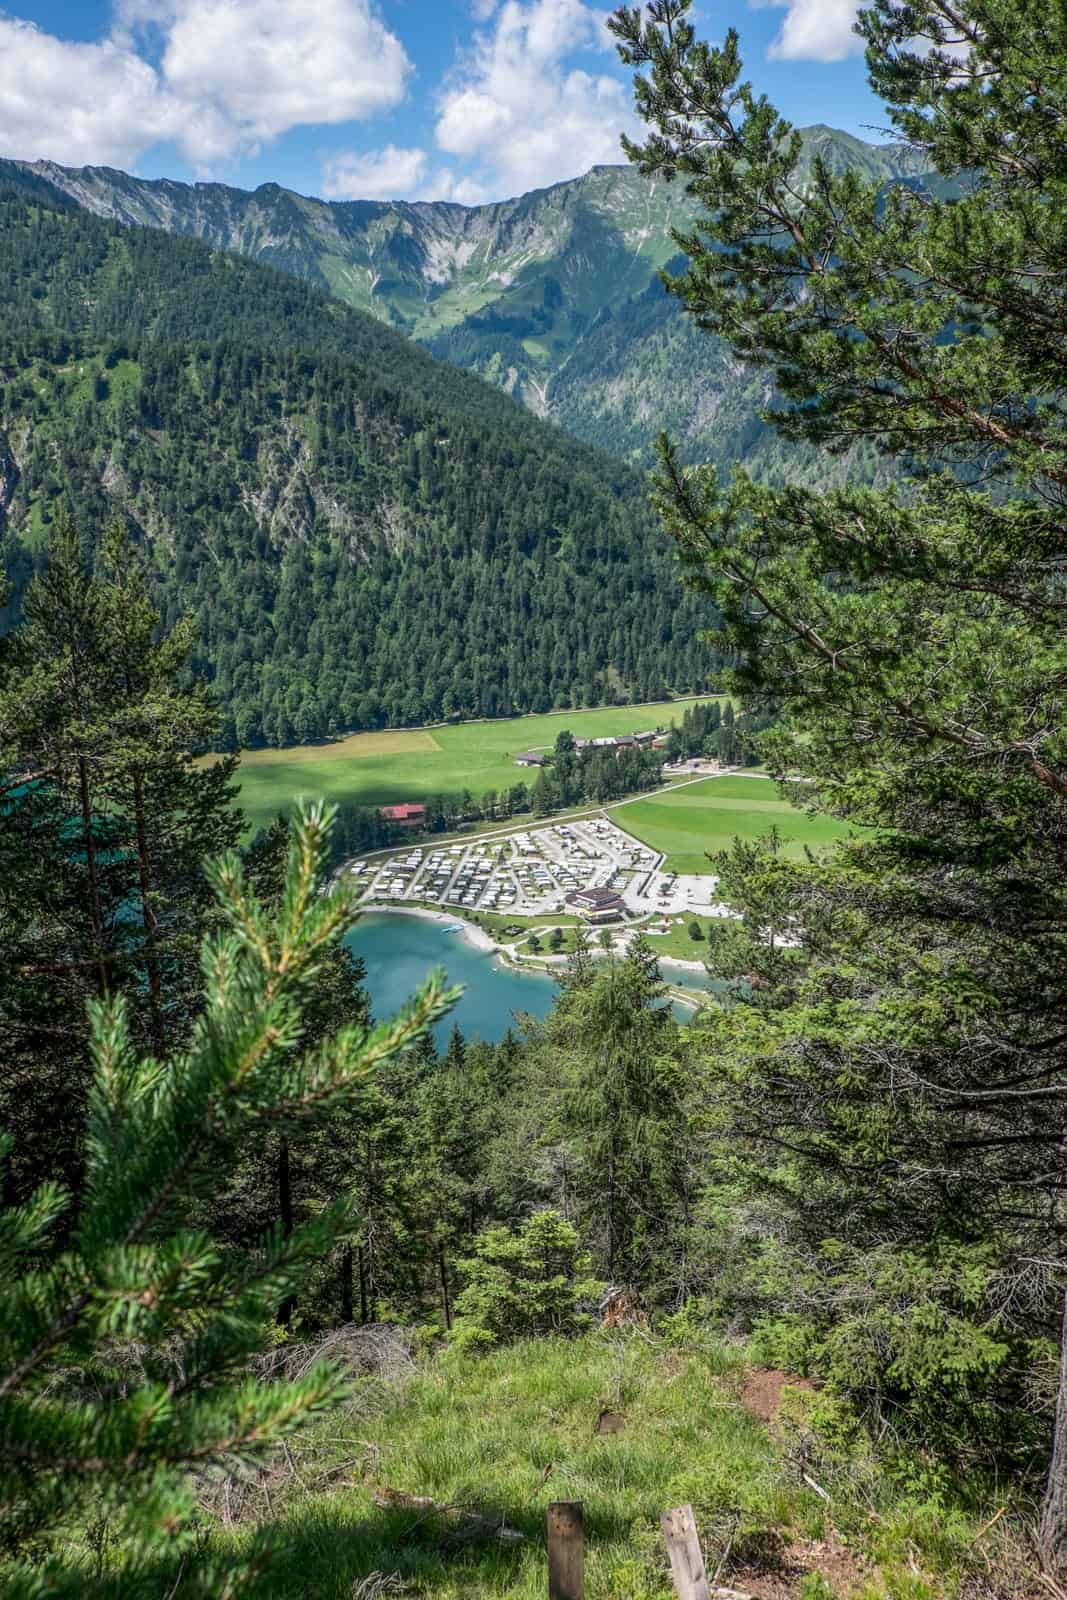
{"x":405,"y":1495}
{"x":694,"y":820}
{"x":377,"y":769}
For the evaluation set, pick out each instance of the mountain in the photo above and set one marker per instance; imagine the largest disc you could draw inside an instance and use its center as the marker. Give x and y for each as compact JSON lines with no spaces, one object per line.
{"x":552,"y":296}
{"x":367,"y":535}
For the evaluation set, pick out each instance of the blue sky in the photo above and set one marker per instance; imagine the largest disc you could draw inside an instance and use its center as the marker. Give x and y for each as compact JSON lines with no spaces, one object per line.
{"x":466,"y":99}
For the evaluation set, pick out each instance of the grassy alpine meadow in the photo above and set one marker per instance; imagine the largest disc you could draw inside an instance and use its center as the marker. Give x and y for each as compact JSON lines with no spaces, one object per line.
{"x":407,"y":1494}
{"x":408,"y":764}
{"x":696,"y":819}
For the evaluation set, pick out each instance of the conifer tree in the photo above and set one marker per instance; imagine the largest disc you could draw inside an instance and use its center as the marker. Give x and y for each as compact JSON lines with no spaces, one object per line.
{"x":616,"y":1043}
{"x":125,"y":1352}
{"x":899,"y":1094}
{"x":107,"y":819}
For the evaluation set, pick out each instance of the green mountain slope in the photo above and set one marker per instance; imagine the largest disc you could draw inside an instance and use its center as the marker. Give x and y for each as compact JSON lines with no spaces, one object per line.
{"x":368,"y":535}
{"x":518,"y":291}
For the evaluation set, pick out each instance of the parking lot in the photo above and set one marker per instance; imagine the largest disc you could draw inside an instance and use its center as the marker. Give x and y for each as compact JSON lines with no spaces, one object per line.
{"x":528,"y":872}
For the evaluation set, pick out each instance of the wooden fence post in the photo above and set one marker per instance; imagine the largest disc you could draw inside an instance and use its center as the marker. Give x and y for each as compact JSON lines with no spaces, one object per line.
{"x":683,"y":1547}
{"x":565,"y":1537}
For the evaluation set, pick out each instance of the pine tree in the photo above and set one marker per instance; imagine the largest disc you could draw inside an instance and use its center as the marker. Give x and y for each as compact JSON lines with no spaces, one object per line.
{"x":124,"y":1354}
{"x":897,"y":1090}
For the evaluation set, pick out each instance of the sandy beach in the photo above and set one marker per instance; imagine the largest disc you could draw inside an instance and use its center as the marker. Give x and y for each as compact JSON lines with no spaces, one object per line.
{"x":474,"y":936}
{"x":480,"y":940}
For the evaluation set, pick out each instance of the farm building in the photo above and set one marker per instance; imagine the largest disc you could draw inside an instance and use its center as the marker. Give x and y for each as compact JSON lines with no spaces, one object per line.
{"x":529,"y":758}
{"x":405,"y":816}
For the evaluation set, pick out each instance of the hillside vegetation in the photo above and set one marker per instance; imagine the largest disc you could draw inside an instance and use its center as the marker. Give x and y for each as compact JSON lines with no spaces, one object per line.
{"x":495,"y":1439}
{"x":366,"y":536}
{"x":552,"y":296}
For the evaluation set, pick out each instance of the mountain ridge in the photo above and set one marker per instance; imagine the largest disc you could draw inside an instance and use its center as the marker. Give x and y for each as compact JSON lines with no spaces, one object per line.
{"x":511,"y":290}
{"x":368,"y":536}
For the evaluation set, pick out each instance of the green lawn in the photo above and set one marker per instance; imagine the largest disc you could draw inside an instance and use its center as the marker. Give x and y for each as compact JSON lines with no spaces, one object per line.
{"x":384,"y":768}
{"x":696,"y":819}
{"x":501,"y":1438}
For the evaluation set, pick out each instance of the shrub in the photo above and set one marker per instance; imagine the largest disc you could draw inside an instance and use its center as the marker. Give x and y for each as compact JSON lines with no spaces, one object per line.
{"x":533,"y":1281}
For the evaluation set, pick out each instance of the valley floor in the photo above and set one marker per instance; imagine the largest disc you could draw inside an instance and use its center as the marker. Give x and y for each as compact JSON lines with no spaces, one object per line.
{"x":400,"y":764}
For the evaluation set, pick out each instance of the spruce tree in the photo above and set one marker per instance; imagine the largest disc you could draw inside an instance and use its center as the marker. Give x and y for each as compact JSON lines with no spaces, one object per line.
{"x":107,"y":819}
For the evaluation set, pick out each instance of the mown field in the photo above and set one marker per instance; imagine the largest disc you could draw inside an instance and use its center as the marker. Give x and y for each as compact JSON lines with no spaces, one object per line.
{"x":383,"y":768}
{"x":696,"y":819}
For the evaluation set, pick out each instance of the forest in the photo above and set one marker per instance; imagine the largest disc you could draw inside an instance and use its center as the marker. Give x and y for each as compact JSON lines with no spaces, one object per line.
{"x":367,"y":537}
{"x":845,"y":1176}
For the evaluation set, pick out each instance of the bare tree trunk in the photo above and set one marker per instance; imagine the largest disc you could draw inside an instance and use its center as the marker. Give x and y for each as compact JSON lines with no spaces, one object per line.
{"x":611,"y":1213}
{"x":347,"y":1308}
{"x":1052,"y":1537}
{"x":148,"y":918}
{"x":285,"y":1211}
{"x":94,"y":881}
{"x":364,"y":1300}
{"x":445,"y":1297}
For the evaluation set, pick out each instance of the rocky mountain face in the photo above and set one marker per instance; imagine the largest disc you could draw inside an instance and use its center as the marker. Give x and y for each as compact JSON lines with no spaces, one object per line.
{"x":552,"y":296}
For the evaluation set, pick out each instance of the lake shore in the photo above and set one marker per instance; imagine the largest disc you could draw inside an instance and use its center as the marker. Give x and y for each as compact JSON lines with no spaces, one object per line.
{"x":480,"y":940}
{"x":475,"y":936}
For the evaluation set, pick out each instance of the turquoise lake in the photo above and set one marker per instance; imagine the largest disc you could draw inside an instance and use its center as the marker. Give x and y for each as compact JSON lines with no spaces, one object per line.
{"x":400,"y":951}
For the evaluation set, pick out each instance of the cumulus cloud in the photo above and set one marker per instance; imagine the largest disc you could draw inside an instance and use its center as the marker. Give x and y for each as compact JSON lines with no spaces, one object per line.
{"x":817,"y":30}
{"x":396,"y":174}
{"x":78,"y":103}
{"x":269,"y":65}
{"x":387,"y":174}
{"x":517,"y":108}
{"x":231,"y":74}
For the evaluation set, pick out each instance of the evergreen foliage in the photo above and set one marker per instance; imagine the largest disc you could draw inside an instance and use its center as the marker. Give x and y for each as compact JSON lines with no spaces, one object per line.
{"x":895,"y":1083}
{"x":364,"y":535}
{"x":124,"y":1358}
{"x":530,"y":1282}
{"x":106,"y":822}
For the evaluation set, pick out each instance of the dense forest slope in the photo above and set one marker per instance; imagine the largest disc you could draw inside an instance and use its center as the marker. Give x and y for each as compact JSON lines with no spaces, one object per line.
{"x":551,"y":296}
{"x":367,"y":535}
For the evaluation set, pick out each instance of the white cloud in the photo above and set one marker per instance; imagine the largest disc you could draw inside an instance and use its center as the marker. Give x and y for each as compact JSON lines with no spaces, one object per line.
{"x":231,"y":74}
{"x":445,"y":184}
{"x":387,"y":174}
{"x":270,"y":65}
{"x":395,"y":174}
{"x":817,"y":30}
{"x":78,"y":103}
{"x":518,"y":109}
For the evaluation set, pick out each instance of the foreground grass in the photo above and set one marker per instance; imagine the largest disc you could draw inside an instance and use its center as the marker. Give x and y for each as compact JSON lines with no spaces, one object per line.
{"x":383,"y":768}
{"x":697,"y":819}
{"x":503,"y":1435}
{"x":506,"y":1434}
